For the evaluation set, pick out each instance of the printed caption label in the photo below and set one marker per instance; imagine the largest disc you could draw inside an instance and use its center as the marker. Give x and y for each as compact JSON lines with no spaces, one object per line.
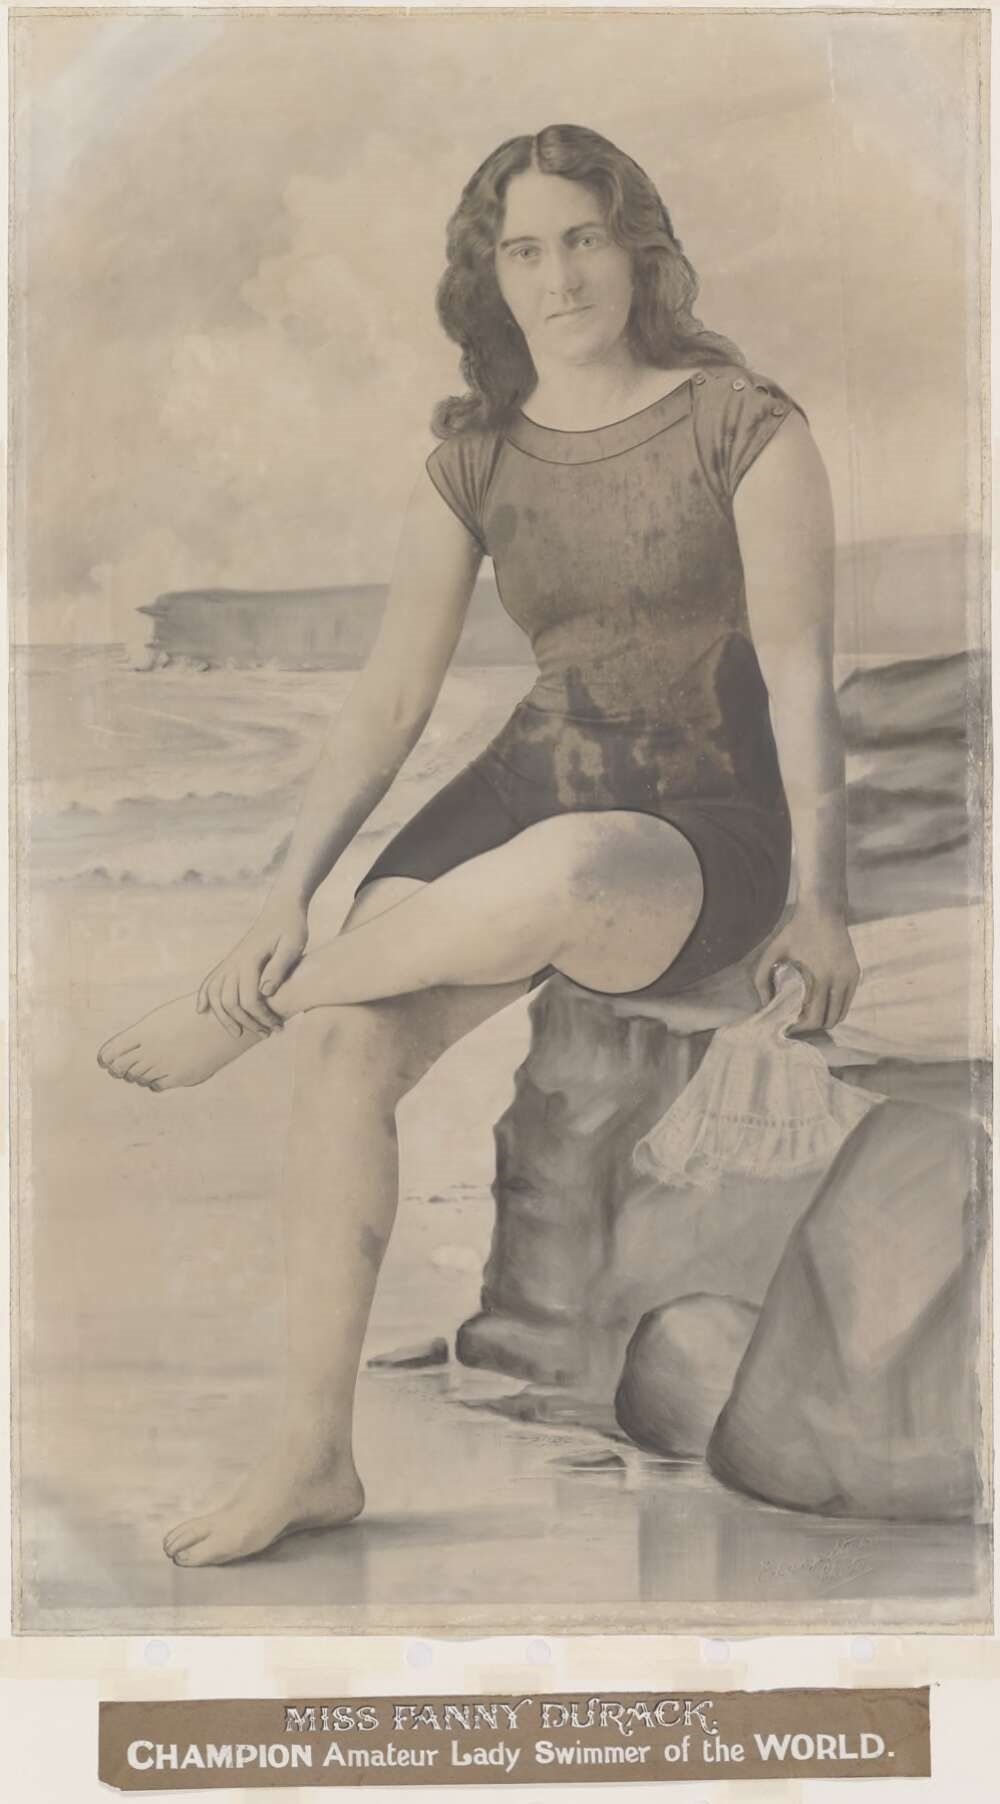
{"x":552,"y":1738}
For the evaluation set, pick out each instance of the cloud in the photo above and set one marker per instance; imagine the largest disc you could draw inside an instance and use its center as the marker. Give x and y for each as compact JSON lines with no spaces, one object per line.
{"x":226,"y":363}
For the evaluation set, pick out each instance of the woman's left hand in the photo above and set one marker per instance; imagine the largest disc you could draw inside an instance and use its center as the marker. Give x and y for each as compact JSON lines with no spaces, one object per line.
{"x":815,"y":940}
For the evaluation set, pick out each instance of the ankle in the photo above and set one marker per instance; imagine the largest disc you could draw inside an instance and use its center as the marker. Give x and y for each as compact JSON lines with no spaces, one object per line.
{"x":315,"y":1441}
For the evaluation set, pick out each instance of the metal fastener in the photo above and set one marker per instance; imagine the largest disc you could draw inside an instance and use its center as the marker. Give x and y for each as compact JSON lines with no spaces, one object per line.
{"x":778,"y":408}
{"x":739,"y":383}
{"x":700,"y":377}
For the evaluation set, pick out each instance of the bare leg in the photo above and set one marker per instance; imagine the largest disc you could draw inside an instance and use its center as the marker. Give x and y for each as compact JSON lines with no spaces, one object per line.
{"x":352,"y":1067}
{"x":609,"y":898}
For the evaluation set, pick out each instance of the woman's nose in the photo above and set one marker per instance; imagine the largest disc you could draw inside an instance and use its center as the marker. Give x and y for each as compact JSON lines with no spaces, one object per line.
{"x":562,"y":277}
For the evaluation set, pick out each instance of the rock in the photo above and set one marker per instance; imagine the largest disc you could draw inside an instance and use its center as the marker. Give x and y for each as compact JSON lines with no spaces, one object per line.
{"x":858,"y":1394}
{"x":551,"y":1408}
{"x":408,"y":1359}
{"x":583,"y":1247}
{"x":144,"y":658}
{"x":591,"y":1086}
{"x":907,"y":702}
{"x":679,"y":1371}
{"x":589,"y":1462}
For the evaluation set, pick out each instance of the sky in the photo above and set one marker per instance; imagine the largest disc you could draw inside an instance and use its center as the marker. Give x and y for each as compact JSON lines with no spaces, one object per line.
{"x":228,"y":233}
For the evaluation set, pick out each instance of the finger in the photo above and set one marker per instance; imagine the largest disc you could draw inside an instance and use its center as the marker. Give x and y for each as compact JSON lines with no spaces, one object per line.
{"x":763,"y":975}
{"x":224,"y":1003}
{"x":213,"y":995}
{"x":836,"y":1008}
{"x":218,"y":1009}
{"x":256,"y":1010}
{"x":246,"y":1023}
{"x":813,"y":1014}
{"x":280,"y":966}
{"x":238,"y":1014}
{"x":208,"y":984}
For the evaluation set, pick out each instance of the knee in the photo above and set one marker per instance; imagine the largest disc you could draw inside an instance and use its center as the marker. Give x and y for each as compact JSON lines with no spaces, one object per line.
{"x":357,"y":1048}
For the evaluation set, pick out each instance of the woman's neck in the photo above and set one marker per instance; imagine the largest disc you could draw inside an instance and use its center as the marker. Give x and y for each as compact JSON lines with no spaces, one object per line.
{"x":580,"y":397}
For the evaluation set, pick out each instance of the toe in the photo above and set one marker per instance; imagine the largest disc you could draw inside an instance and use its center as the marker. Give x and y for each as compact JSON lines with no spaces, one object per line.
{"x":185,"y":1532}
{"x":201,"y":1553}
{"x":116,"y":1048}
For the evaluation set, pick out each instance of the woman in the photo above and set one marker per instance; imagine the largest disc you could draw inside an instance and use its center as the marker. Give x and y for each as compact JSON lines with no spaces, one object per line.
{"x":659,"y":520}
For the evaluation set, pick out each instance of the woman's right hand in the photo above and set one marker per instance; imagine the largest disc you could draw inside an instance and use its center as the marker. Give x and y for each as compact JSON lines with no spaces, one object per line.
{"x":236,"y":991}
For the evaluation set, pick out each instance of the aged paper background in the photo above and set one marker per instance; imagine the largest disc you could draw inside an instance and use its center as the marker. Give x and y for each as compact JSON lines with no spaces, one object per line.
{"x":179,"y":1666}
{"x":177,"y":430}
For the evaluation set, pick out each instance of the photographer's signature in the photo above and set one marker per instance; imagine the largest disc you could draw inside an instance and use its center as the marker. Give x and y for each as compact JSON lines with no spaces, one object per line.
{"x":841,"y":1560}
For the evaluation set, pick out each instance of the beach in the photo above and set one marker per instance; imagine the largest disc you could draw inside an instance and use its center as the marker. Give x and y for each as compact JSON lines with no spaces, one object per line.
{"x":150,"y":1295}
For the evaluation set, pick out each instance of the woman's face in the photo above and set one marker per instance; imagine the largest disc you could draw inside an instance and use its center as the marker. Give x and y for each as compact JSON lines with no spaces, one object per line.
{"x":564,"y":278}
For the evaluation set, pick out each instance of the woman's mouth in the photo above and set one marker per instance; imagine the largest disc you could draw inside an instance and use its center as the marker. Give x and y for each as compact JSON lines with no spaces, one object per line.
{"x":571,"y":312}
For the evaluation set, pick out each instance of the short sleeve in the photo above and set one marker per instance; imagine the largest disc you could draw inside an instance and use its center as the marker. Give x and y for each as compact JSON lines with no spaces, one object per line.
{"x":461,"y":469}
{"x":742,"y":411}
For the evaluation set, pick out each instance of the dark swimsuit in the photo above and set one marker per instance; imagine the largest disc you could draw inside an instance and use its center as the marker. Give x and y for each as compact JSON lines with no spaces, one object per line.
{"x":616,"y":551}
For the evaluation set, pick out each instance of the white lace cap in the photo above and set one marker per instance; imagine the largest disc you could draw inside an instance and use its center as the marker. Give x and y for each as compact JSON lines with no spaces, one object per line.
{"x":760,"y":1105}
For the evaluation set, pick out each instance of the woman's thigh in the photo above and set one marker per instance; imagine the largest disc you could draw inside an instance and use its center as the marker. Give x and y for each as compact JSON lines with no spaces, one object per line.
{"x":631,"y":888}
{"x":608,"y":897}
{"x":634,"y":895}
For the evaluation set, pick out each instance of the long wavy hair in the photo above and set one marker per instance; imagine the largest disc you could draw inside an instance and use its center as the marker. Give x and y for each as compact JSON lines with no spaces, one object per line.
{"x":496,"y":362}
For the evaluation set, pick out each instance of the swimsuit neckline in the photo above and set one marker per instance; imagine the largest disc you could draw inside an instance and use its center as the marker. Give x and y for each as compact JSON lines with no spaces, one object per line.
{"x":557,"y":445}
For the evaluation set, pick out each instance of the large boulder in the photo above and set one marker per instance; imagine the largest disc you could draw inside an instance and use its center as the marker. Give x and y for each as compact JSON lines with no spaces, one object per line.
{"x":859,"y":1394}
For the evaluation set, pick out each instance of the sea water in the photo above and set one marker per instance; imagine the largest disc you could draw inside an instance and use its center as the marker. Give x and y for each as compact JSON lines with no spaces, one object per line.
{"x":189,"y":776}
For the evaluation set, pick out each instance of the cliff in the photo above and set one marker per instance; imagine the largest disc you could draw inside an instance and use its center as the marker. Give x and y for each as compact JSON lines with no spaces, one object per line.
{"x":309,"y":629}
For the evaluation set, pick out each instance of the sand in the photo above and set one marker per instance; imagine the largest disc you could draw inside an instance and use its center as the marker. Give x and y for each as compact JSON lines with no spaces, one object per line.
{"x":152,"y":1310}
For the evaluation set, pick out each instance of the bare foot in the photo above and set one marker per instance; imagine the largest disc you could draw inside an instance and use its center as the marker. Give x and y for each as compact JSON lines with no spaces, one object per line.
{"x":290,"y":1492}
{"x":173,"y":1046}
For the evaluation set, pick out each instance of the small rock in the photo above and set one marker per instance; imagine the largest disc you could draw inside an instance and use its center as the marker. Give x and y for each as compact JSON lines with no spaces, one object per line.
{"x":408,"y":1359}
{"x":551,"y":1409}
{"x":679,"y":1371}
{"x":589,"y":1462}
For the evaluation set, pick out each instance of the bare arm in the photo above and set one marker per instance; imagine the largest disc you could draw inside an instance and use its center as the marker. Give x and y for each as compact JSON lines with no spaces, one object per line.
{"x":391,"y":702}
{"x":784,"y":519}
{"x":375,"y":731}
